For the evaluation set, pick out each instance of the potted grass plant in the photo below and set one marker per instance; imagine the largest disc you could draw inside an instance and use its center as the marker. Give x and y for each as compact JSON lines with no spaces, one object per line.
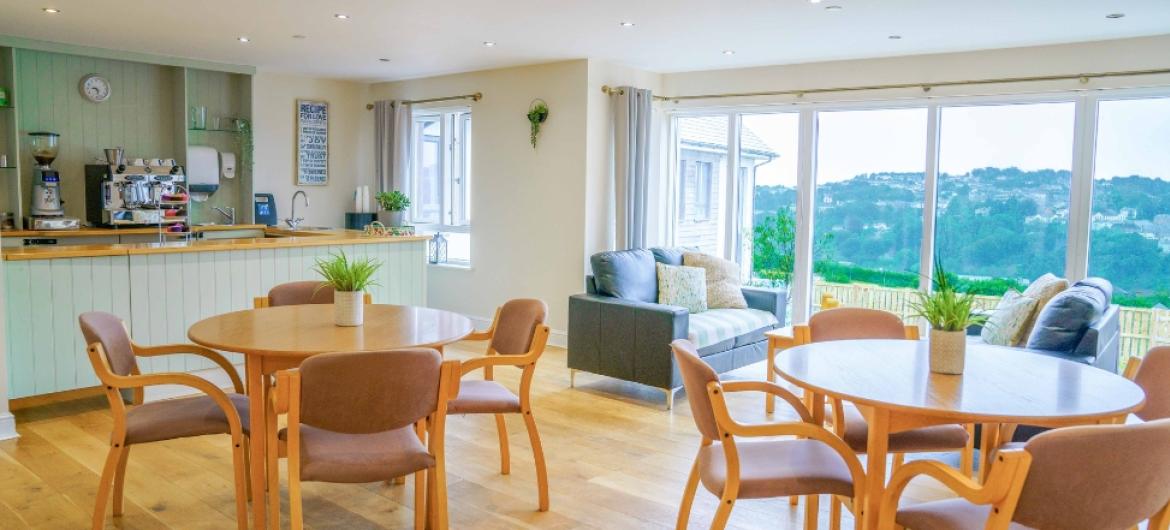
{"x":349,"y":280}
{"x":949,"y":313}
{"x":393,"y":204}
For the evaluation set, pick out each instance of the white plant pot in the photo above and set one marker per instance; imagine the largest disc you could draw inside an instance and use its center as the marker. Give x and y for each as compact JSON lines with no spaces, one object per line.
{"x":389,"y":218}
{"x":348,"y":308}
{"x":948,"y":351}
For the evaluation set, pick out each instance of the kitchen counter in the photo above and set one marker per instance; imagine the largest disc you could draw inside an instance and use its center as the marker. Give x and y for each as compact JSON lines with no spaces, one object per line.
{"x":274,"y":238}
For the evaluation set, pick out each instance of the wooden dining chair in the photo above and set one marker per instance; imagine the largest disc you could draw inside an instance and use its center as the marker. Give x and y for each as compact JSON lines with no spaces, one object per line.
{"x":852,"y":323}
{"x":114,"y":358}
{"x":1099,"y":477}
{"x":517,"y":337}
{"x":819,"y":463}
{"x":298,"y":293}
{"x":366,"y":417}
{"x":1152,"y":374}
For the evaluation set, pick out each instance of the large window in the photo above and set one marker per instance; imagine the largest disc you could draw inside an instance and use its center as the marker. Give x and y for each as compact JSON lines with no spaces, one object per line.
{"x":1003,"y":193}
{"x":768,"y":145}
{"x":870,"y":191}
{"x":441,"y":182}
{"x":1130,"y":241}
{"x":701,"y":151}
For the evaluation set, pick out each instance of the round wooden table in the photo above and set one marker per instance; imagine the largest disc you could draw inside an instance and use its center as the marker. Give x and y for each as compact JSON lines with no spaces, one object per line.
{"x":278,"y":338}
{"x":891,"y":383}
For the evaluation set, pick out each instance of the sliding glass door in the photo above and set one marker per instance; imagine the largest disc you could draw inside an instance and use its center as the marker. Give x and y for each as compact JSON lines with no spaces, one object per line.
{"x":768,"y":155}
{"x":701,"y":149}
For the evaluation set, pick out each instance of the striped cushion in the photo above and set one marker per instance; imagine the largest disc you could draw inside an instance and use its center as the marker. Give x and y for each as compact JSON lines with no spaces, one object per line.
{"x":717,"y":325}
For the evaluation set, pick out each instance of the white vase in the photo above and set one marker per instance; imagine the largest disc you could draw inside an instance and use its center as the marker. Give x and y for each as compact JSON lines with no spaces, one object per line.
{"x":389,"y":218}
{"x":948,"y":351}
{"x":348,"y":308}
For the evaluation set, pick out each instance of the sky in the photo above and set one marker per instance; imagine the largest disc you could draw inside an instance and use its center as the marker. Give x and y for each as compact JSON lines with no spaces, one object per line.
{"x":1133,"y":139}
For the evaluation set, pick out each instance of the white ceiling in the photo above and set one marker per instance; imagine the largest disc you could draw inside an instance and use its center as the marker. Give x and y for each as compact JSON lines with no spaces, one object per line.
{"x":429,"y":37}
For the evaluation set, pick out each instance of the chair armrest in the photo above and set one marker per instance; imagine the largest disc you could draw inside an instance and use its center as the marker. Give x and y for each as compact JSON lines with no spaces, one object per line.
{"x":182,"y":379}
{"x":1001,"y":489}
{"x":772,"y":300}
{"x":491,"y":361}
{"x":773,"y":389}
{"x":193,"y":349}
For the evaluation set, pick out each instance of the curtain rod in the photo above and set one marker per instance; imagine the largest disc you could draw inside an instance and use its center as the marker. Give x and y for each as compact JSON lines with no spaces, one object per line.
{"x":474,"y":97}
{"x":1083,"y":78}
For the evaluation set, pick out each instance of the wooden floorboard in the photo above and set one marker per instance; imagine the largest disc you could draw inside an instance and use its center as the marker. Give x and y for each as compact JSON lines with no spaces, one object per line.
{"x":616,"y":460}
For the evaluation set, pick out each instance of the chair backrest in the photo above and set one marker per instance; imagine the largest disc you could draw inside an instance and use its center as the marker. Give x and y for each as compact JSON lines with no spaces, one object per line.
{"x":516,"y":324}
{"x":297,"y":293}
{"x":1095,"y":477}
{"x":696,"y":374}
{"x":109,"y":330}
{"x":849,"y":323}
{"x":369,"y":392}
{"x":1154,"y":378}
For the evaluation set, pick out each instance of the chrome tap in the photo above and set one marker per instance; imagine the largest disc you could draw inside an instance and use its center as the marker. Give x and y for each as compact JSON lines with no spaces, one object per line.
{"x":293,"y":221}
{"x":228,"y":213}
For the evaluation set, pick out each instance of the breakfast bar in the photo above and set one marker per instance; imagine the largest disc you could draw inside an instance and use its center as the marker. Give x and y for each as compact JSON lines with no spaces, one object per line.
{"x":161,"y":289}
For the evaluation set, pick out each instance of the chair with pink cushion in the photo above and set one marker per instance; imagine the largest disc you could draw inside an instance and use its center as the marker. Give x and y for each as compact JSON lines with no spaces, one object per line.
{"x":1152,"y":374}
{"x":1099,"y":477}
{"x":820,"y":463}
{"x":516,"y":338}
{"x":114,"y":358}
{"x":298,"y":293}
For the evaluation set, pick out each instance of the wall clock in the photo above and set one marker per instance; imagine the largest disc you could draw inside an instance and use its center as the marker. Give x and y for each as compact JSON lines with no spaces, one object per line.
{"x":95,"y":88}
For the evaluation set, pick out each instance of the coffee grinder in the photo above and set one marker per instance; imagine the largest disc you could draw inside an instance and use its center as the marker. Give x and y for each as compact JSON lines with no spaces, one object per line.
{"x":45,"y":206}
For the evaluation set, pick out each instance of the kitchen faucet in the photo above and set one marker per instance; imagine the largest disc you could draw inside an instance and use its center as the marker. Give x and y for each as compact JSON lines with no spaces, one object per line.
{"x":293,"y":221}
{"x":228,"y":213}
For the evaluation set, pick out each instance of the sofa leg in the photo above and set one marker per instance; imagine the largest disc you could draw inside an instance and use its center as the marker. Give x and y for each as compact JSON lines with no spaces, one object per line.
{"x":572,"y":377}
{"x":670,"y":397}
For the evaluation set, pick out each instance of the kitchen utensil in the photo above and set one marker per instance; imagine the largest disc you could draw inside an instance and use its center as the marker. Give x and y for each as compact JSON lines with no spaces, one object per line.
{"x":115,"y":156}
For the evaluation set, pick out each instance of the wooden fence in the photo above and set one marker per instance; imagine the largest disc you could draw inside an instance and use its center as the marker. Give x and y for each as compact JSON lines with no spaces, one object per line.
{"x":1141,"y":328}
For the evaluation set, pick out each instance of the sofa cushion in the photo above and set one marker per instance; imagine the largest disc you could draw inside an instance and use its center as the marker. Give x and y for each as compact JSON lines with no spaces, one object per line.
{"x":723,"y":283}
{"x":1063,"y":322}
{"x":1042,"y":289}
{"x":627,"y":274}
{"x":683,"y":287}
{"x":717,"y":325}
{"x":671,"y":255}
{"x":1005,"y":326}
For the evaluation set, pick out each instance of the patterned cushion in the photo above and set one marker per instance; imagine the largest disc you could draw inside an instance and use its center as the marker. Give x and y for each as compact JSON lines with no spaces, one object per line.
{"x":1006,"y":327}
{"x":717,"y":325}
{"x":724,"y":290}
{"x":682,"y":286}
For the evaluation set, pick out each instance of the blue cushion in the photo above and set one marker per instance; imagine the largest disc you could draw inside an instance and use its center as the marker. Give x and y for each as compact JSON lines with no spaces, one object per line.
{"x":627,"y":274}
{"x":1068,"y":315}
{"x":672,"y":255}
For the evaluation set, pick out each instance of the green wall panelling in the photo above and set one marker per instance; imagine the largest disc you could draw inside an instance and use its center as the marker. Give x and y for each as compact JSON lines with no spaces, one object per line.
{"x":9,"y":139}
{"x":225,"y":95}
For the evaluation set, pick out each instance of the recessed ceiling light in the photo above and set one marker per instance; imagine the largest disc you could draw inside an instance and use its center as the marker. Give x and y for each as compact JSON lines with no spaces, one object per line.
{"x":1115,"y":15}
{"x":385,"y":60}
{"x":834,"y":8}
{"x":814,"y":1}
{"x":299,"y":37}
{"x":243,"y":39}
{"x":626,"y":24}
{"x":728,"y":52}
{"x":895,"y":37}
{"x":341,"y":16}
{"x":51,"y":10}
{"x":488,"y":43}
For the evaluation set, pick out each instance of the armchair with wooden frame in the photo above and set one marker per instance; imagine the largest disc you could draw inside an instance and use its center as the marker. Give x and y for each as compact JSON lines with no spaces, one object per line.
{"x":819,"y":463}
{"x":1098,"y":477}
{"x":113,"y":355}
{"x":297,"y":293}
{"x":365,"y":417}
{"x":517,"y":337}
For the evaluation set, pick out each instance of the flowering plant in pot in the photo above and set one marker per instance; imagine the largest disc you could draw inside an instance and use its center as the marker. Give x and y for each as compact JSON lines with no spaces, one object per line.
{"x":349,"y":280}
{"x":393,"y":204}
{"x":949,"y":313}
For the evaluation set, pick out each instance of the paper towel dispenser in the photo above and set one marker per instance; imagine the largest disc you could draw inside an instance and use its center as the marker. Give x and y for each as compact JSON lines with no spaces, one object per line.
{"x":202,"y":169}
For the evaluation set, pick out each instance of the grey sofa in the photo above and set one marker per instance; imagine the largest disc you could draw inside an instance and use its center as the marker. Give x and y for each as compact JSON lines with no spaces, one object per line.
{"x":617,"y":329}
{"x":1080,"y":324}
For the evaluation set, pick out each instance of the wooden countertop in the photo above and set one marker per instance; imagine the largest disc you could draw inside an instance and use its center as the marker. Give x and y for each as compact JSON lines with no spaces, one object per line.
{"x":99,"y":232}
{"x":279,"y":238}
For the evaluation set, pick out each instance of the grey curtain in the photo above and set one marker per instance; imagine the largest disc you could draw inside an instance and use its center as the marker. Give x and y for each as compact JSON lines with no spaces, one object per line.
{"x":392,"y":132}
{"x":631,"y":168}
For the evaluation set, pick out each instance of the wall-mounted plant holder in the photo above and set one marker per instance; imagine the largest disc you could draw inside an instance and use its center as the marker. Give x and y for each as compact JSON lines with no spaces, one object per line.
{"x":537,"y":114}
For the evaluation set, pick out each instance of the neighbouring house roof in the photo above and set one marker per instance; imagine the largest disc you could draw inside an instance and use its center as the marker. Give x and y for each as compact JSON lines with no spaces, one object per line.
{"x":710,"y":132}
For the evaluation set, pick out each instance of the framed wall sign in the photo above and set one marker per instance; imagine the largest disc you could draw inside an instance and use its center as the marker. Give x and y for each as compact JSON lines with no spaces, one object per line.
{"x":312,"y":143}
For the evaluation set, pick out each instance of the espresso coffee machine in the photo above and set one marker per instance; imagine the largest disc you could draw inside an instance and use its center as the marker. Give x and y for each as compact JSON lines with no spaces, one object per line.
{"x":122,"y":195}
{"x":45,"y":208}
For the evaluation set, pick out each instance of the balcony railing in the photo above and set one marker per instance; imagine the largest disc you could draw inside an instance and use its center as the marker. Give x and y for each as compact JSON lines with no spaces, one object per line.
{"x":1141,"y":328}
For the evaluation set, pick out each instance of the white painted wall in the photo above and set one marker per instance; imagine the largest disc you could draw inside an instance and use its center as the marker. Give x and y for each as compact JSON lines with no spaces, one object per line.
{"x":527,"y":206}
{"x":350,"y":137}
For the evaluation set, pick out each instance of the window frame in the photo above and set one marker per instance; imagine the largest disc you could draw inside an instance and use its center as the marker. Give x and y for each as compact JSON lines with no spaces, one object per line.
{"x":455,"y":179}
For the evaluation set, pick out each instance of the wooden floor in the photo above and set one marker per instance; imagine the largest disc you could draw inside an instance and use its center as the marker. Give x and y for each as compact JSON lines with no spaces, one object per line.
{"x":616,"y":460}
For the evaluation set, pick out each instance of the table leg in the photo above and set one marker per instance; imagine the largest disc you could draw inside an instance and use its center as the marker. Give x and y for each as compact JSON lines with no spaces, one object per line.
{"x":769,"y":399}
{"x":876,"y":451}
{"x":257,"y":422}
